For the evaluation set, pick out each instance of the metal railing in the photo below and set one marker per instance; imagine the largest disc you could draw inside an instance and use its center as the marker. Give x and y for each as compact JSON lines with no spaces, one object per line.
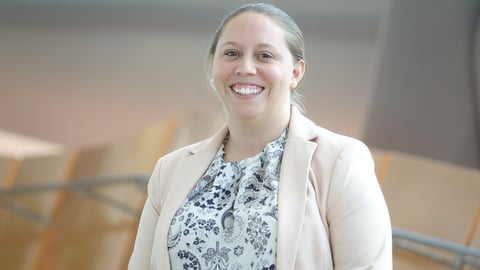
{"x":426,"y":246}
{"x":84,"y":186}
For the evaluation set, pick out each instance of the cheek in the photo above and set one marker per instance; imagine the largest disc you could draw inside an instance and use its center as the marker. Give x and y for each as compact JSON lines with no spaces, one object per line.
{"x":220,"y":71}
{"x":276,"y":75}
{"x":220,"y":76}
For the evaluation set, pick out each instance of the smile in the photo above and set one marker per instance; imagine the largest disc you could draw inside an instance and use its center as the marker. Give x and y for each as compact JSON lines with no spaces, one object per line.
{"x":247,"y":90}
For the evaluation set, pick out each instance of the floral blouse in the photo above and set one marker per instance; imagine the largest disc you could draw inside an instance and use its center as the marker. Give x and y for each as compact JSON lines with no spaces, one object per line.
{"x":229,"y":219}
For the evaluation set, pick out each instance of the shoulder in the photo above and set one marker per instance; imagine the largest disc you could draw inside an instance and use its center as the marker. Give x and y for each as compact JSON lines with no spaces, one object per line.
{"x":208,"y":146}
{"x":184,"y":151}
{"x":163,"y":173}
{"x":339,"y":160}
{"x":340,"y":145}
{"x":329,"y":144}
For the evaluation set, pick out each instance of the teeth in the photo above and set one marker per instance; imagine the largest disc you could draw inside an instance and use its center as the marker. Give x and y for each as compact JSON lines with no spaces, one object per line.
{"x":246,"y":90}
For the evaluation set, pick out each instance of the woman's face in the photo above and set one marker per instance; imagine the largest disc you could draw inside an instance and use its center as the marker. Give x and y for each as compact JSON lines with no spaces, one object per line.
{"x":253,"y":70}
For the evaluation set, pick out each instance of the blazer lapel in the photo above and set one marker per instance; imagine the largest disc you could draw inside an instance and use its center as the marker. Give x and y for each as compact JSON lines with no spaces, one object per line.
{"x":294,"y":176}
{"x":191,"y":168}
{"x":186,"y":175}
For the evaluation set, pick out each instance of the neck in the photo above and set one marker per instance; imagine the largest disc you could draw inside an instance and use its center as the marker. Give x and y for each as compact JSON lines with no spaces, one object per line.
{"x":249,"y":136}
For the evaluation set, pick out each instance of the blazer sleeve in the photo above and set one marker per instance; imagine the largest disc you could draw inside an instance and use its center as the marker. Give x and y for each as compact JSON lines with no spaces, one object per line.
{"x":359,"y":222}
{"x":141,"y":256}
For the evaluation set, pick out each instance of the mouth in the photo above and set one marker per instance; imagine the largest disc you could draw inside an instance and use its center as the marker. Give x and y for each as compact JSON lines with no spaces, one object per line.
{"x":247,"y":89}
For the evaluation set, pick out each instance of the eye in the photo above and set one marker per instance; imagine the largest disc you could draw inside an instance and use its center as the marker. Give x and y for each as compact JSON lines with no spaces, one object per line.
{"x":265,"y":55}
{"x":230,"y":53}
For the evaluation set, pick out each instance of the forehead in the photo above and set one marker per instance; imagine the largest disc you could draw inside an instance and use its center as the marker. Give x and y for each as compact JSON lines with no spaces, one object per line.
{"x":253,"y":26}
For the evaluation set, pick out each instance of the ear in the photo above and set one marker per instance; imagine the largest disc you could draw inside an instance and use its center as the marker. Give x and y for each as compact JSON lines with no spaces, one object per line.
{"x":297,"y":74}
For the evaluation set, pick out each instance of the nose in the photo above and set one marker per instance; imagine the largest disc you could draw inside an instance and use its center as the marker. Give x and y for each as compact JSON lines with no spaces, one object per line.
{"x":246,"y":66}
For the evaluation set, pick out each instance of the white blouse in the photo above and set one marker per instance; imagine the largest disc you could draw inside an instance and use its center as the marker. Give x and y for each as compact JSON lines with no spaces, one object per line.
{"x":229,"y":220}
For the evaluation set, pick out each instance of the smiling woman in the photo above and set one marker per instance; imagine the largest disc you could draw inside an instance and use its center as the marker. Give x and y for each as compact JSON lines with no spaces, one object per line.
{"x":270,"y":183}
{"x":254,"y":73}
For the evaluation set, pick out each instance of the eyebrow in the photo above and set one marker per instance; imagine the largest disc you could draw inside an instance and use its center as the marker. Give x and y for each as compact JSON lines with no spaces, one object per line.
{"x":237,"y":44}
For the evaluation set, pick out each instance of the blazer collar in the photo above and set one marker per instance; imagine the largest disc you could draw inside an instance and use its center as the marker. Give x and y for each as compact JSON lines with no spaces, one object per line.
{"x":212,"y":144}
{"x":191,"y":168}
{"x":300,"y":127}
{"x":292,"y":191}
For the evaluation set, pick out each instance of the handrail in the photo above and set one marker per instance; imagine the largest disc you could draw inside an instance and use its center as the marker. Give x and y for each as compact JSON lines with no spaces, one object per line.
{"x":82,"y":185}
{"x":402,"y":238}
{"x":79,"y":184}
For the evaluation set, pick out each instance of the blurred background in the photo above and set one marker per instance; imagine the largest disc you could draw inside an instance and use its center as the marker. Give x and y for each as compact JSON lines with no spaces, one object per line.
{"x":95,"y":89}
{"x":77,"y":73}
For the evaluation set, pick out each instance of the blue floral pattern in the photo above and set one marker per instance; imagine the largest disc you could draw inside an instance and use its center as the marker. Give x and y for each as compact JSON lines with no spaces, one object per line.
{"x":229,"y":220}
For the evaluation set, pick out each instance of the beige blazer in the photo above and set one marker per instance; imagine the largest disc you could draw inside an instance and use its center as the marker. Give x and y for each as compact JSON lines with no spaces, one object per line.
{"x":331,"y":211}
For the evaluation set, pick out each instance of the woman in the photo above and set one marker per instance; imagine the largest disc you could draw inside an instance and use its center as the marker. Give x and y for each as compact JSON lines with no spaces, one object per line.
{"x":270,"y":190}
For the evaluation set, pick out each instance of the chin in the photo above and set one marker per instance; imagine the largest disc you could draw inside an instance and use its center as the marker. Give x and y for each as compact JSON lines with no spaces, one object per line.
{"x":247,"y":113}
